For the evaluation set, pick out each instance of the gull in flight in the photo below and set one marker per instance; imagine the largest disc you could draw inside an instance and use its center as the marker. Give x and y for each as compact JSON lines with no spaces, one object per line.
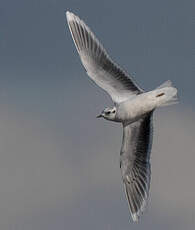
{"x":133,"y":107}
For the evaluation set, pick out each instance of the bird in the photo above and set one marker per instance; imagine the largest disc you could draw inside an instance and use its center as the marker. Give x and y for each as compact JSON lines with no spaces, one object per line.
{"x":132,"y":106}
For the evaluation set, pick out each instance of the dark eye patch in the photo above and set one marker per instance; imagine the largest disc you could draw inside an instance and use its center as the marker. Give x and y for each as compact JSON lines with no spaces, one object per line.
{"x":113,"y":111}
{"x":107,"y":112}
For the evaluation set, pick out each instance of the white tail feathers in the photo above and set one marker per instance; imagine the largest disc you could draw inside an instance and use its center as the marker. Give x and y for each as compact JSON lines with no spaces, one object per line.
{"x":172,"y":101}
{"x":165,"y":84}
{"x":170,"y":93}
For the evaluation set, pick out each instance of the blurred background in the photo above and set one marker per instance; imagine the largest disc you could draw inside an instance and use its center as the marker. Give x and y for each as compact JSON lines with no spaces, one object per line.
{"x":59,"y":165}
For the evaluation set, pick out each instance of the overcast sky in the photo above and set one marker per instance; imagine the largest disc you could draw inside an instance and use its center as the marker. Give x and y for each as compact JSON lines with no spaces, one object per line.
{"x":59,"y":165}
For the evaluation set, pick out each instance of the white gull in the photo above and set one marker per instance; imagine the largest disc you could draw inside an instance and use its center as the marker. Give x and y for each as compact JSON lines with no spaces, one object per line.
{"x":132,"y":107}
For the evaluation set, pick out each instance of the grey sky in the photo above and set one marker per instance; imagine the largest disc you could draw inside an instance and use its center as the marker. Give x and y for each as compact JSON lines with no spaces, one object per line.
{"x":59,"y":165}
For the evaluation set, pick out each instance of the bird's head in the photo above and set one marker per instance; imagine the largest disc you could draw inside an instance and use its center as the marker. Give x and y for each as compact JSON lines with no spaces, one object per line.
{"x":108,"y":114}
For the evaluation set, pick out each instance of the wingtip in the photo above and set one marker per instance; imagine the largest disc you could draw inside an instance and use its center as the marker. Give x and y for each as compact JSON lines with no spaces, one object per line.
{"x":135,"y":218}
{"x":69,"y":15}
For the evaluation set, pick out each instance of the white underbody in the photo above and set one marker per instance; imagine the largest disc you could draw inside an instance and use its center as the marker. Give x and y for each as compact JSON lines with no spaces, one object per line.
{"x":133,"y":109}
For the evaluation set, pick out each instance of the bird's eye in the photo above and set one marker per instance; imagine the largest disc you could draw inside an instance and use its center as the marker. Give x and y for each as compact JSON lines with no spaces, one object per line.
{"x":107,"y":112}
{"x":113,"y":111}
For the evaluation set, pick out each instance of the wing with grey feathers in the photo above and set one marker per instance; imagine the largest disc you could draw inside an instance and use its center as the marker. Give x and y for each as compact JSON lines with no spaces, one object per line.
{"x":100,"y":68}
{"x":135,"y":163}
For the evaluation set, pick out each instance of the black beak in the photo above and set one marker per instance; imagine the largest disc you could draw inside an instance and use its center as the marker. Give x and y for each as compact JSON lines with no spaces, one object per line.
{"x":99,"y":116}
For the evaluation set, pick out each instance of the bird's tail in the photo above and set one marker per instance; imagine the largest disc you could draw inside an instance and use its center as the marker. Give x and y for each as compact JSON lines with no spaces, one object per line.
{"x":165,"y":84}
{"x":170,"y":92}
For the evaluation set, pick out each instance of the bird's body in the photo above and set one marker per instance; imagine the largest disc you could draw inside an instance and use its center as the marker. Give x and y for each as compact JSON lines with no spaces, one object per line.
{"x":132,"y":107}
{"x":135,"y":108}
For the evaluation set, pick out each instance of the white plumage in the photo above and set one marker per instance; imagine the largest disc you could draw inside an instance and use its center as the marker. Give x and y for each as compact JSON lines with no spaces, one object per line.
{"x":133,"y":108}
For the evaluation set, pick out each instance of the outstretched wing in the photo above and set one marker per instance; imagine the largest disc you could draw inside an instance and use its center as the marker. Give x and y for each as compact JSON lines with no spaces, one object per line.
{"x":135,"y":163}
{"x":100,"y":68}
